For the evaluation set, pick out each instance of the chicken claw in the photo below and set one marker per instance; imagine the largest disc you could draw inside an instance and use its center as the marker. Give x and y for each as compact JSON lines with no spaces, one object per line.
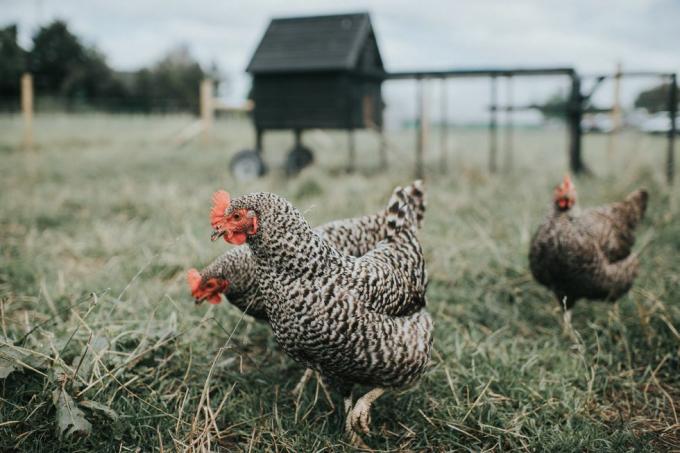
{"x":360,"y":417}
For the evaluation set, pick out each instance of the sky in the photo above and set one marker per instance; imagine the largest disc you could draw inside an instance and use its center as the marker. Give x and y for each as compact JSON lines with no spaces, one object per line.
{"x":592,"y":36}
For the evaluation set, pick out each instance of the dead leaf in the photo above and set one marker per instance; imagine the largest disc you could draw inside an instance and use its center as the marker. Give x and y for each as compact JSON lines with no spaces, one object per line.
{"x":100,"y":407}
{"x":70,"y":419}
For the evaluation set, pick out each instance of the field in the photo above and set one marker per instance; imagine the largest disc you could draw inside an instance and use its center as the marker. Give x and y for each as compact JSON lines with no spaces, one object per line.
{"x":100,"y":222}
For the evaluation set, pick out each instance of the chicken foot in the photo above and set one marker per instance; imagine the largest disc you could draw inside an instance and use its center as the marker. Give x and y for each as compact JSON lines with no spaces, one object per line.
{"x":359,"y":419}
{"x":354,"y":438}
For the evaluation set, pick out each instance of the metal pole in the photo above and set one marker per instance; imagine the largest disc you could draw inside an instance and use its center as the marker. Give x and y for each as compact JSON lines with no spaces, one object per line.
{"x":258,"y":139}
{"x":420,"y":131}
{"x":509,"y":127}
{"x":574,"y":116}
{"x":444,"y":125}
{"x":493,"y":121}
{"x":672,"y":114}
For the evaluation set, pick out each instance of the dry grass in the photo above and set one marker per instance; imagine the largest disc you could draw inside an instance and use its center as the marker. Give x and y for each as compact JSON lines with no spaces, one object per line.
{"x":99,"y":224}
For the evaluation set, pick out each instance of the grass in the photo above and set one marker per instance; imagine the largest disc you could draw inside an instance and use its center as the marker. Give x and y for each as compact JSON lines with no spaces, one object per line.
{"x":100,"y":222}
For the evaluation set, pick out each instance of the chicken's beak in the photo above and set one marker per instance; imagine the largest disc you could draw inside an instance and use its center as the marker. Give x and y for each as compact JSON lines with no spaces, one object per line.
{"x":216,"y":235}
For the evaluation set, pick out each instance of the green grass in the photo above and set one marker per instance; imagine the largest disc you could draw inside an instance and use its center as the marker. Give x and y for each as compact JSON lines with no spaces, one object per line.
{"x":100,"y":222}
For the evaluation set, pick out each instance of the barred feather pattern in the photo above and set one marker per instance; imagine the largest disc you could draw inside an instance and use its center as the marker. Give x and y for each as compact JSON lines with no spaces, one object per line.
{"x":356,"y":320}
{"x":588,"y":254}
{"x":356,"y":237}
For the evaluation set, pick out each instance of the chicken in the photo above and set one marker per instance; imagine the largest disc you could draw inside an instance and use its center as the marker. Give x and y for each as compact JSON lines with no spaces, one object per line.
{"x":356,"y":320}
{"x":233,"y":273}
{"x":587,"y":255}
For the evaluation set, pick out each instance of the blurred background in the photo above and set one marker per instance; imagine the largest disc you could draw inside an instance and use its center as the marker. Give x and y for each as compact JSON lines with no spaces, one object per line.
{"x":119,"y":119}
{"x":150,"y":56}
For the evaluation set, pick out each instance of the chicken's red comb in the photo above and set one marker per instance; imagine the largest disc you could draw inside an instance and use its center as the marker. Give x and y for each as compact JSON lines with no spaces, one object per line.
{"x":194,"y":279}
{"x":209,"y":290}
{"x":221,"y":201}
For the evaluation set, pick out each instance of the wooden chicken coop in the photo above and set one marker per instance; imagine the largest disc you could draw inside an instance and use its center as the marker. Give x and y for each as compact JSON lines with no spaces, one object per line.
{"x":321,"y":72}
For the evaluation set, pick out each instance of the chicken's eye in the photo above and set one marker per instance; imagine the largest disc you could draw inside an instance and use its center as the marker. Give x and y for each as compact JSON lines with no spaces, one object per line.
{"x":237,"y":216}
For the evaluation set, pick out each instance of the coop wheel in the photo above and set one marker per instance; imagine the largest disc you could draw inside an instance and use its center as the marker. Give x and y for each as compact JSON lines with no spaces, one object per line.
{"x":247,"y":165}
{"x":298,"y":158}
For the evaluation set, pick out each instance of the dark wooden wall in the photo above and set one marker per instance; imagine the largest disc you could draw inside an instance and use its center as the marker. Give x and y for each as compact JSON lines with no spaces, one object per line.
{"x":334,"y":100}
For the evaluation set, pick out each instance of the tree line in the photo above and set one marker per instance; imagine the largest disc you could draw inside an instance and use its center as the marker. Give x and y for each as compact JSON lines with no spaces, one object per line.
{"x":69,"y":75}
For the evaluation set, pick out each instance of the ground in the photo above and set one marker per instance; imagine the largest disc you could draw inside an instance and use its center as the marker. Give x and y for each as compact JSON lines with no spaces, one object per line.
{"x":100,"y":222}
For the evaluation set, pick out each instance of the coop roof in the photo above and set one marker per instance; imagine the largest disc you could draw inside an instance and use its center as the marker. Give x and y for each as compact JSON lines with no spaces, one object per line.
{"x":318,"y":43}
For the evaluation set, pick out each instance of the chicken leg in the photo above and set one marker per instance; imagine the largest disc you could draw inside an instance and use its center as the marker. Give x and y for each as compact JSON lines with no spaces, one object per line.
{"x":360,"y":417}
{"x":297,"y":390}
{"x":566,"y":316}
{"x":354,"y":438}
{"x":300,"y":386}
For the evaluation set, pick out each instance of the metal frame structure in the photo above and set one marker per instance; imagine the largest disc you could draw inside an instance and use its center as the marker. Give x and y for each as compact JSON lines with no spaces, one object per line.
{"x":672,"y":105}
{"x":576,"y":106}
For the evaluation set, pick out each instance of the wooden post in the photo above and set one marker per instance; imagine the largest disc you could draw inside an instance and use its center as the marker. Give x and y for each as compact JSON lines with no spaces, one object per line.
{"x":444,"y":125}
{"x":420,"y":130}
{"x":613,"y":139}
{"x":509,"y":127}
{"x":207,"y":108}
{"x":383,"y":148}
{"x":27,"y":109}
{"x":574,"y":117}
{"x":493,"y":122}
{"x":352,"y":151}
{"x":672,"y":115}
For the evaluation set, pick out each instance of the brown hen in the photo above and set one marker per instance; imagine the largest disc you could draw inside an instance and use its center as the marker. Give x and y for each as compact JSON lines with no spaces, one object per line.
{"x":587,"y":255}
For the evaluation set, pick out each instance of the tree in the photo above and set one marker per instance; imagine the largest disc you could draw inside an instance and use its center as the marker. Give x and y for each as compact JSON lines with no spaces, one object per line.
{"x":13,"y":64}
{"x":175,"y":80}
{"x":655,"y":99}
{"x":555,"y":107}
{"x":56,"y":56}
{"x":62,"y":66}
{"x":78,"y":75}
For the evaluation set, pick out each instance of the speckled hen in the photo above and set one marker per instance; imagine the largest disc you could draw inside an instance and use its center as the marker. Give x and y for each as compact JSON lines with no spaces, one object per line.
{"x":233,"y":273}
{"x":587,"y":255}
{"x":356,"y":320}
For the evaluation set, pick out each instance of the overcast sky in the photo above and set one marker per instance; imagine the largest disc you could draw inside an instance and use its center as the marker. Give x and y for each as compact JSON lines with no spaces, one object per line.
{"x":589,"y":35}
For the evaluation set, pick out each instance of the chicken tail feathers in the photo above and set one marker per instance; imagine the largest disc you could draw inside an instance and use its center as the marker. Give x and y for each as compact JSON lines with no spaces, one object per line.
{"x":406,"y":206}
{"x":416,"y":196}
{"x":399,"y":213}
{"x":638,"y":204}
{"x":617,"y":278}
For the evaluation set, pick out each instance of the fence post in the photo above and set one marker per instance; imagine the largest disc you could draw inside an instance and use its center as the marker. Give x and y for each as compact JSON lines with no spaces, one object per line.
{"x":207,"y":108}
{"x":574,"y":116}
{"x":420,"y":130}
{"x":444,"y":124}
{"x":672,"y":115}
{"x":27,"y":109}
{"x":509,"y":126}
{"x":493,"y":136}
{"x":613,"y":139}
{"x":351,"y":151}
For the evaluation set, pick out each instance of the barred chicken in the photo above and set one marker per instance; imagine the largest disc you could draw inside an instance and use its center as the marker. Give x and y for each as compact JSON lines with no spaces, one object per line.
{"x":587,"y":255}
{"x":356,"y":320}
{"x":234,"y":275}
